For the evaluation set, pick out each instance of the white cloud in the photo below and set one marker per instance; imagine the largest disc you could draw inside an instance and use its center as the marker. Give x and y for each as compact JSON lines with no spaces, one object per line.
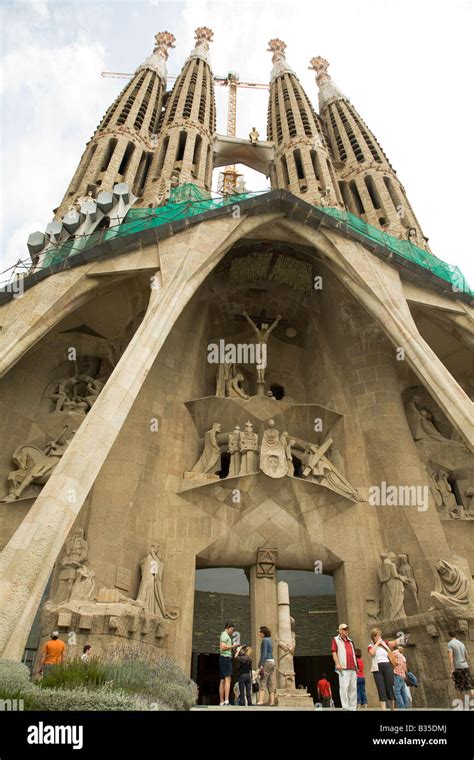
{"x":55,"y":99}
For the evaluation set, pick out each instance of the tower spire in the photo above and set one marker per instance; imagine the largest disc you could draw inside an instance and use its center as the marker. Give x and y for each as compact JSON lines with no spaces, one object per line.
{"x":203,"y":36}
{"x":280,"y":64}
{"x":121,"y":148}
{"x":157,"y":60}
{"x":328,"y":90}
{"x":368,"y":183}
{"x":187,"y":127}
{"x":303,"y":163}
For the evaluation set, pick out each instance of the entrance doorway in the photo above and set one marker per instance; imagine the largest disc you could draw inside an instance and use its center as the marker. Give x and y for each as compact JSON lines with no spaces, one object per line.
{"x":221,"y":596}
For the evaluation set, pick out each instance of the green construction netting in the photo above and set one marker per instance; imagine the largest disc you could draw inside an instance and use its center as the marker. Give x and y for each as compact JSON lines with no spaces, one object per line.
{"x":405,"y":248}
{"x":185,"y":201}
{"x":188,"y":200}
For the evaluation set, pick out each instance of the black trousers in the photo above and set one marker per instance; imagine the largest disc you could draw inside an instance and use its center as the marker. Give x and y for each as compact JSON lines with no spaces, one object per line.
{"x":245,"y":687}
{"x":384,"y":679}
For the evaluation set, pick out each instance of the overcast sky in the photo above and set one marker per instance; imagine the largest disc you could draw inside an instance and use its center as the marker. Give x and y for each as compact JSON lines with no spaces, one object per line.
{"x":403,"y":63}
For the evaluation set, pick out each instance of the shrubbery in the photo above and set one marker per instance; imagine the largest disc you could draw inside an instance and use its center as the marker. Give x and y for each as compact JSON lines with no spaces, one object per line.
{"x":124,"y":682}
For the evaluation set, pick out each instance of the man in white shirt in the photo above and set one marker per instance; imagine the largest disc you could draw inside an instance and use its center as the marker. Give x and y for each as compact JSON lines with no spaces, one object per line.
{"x":458,"y":660}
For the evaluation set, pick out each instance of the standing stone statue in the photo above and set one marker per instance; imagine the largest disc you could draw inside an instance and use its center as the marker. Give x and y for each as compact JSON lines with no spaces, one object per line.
{"x":262,"y":335}
{"x":288,"y":443}
{"x":235,"y":453}
{"x":273,"y":461}
{"x":75,"y":554}
{"x":444,"y":487}
{"x":248,"y":450}
{"x":225,"y":372}
{"x":452,"y":587}
{"x":286,"y":640}
{"x":392,"y":590}
{"x":411,"y":603}
{"x":150,"y":592}
{"x":209,"y":461}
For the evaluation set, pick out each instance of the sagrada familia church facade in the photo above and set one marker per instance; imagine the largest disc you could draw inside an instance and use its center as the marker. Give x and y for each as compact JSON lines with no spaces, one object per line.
{"x":274,"y":380}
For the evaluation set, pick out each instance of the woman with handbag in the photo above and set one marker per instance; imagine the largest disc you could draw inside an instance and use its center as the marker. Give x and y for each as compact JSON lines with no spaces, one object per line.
{"x":383,"y":662}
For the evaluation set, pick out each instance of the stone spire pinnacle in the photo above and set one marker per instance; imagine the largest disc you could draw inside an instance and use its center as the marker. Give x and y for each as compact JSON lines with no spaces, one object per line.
{"x":327,"y":89}
{"x":203,"y":36}
{"x":280,"y":64}
{"x":157,"y":60}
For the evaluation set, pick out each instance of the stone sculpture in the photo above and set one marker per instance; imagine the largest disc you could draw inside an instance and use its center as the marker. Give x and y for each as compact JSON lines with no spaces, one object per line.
{"x":75,"y":554}
{"x":392,"y":588}
{"x":411,"y":603}
{"x":320,"y":469}
{"x":422,"y":426}
{"x":150,"y":593}
{"x":262,"y":335}
{"x":76,"y":394}
{"x":234,"y":387}
{"x":35,"y":465}
{"x":253,"y":136}
{"x":209,"y":461}
{"x":288,"y":443}
{"x":273,"y":461}
{"x":225,"y":372}
{"x":452,"y":587}
{"x":84,"y":586}
{"x":235,"y":453}
{"x":249,"y":450}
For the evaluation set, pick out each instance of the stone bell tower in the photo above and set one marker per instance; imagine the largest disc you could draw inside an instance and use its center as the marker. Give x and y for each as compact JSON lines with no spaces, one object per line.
{"x":369,"y":185}
{"x":121,"y":148}
{"x":303,"y":164}
{"x":187,"y":126}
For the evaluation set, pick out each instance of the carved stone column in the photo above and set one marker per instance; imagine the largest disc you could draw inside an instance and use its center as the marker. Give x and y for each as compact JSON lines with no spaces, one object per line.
{"x":263,"y":596}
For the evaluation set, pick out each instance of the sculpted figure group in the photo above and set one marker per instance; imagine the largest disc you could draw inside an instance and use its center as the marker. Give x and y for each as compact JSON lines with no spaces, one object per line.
{"x":275,"y":455}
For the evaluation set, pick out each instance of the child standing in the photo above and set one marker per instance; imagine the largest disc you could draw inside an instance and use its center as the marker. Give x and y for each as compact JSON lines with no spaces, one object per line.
{"x":361,"y":694}
{"x":244,"y":663}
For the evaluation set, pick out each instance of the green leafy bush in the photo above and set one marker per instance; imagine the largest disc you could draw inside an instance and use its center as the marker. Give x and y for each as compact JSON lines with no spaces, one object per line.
{"x":74,"y":674}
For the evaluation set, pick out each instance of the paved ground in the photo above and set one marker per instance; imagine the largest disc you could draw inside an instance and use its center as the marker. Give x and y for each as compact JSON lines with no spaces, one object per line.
{"x":237,"y":708}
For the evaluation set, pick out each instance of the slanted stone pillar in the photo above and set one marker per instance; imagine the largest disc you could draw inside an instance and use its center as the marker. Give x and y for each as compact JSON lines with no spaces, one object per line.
{"x":263,"y":596}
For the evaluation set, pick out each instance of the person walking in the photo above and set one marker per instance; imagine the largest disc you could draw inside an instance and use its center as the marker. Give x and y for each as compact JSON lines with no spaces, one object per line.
{"x":266,"y":667}
{"x":226,"y":648}
{"x":243,"y":657}
{"x":400,"y":689}
{"x":324,"y":691}
{"x":459,"y":662}
{"x":361,"y":693}
{"x":383,"y":662}
{"x":52,"y":654}
{"x":345,"y":660}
